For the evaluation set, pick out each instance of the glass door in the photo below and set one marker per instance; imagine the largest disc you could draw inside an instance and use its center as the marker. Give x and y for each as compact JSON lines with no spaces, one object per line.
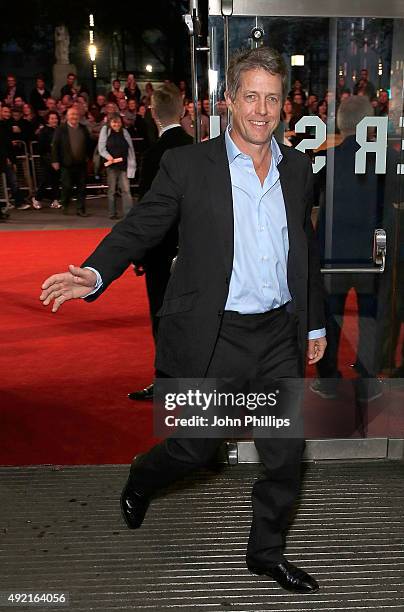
{"x":345,"y":110}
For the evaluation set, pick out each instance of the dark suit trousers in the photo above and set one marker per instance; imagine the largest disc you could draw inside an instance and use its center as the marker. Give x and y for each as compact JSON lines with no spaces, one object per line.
{"x":74,"y":176}
{"x":262,"y":346}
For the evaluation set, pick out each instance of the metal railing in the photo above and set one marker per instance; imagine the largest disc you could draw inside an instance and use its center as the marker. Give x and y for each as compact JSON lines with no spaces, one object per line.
{"x":29,"y":170}
{"x":3,"y":190}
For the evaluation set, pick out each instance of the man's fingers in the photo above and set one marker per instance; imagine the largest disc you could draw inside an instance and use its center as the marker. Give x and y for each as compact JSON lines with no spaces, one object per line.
{"x":51,"y":296}
{"x":316,"y":351}
{"x":76,"y":271}
{"x":58,"y":302}
{"x":80,"y":276}
{"x":55,"y":287}
{"x":55,"y":278}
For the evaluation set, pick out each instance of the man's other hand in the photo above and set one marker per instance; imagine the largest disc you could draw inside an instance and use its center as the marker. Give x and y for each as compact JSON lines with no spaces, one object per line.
{"x":315,"y":349}
{"x":76,"y":283}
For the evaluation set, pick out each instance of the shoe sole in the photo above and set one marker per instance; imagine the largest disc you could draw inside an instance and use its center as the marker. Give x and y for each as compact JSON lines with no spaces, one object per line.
{"x":259,"y":572}
{"x":367,"y":400}
{"x":324,"y":395}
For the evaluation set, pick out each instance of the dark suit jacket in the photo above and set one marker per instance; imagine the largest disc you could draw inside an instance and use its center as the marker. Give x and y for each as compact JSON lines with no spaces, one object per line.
{"x":175,"y":137}
{"x":61,"y":150}
{"x":193,"y":187}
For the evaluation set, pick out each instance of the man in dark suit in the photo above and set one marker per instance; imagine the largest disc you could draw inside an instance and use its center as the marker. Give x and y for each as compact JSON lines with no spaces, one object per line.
{"x":71,"y":147}
{"x":167,"y":110}
{"x":245,"y":295}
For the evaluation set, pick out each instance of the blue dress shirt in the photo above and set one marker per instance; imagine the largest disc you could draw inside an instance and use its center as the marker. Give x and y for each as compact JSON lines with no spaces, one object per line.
{"x":258,"y":281}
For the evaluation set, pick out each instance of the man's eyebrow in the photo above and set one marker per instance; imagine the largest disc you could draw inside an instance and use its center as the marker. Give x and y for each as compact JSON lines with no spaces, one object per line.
{"x":247,"y":91}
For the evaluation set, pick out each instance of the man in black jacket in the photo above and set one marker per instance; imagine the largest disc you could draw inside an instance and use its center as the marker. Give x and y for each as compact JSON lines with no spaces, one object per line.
{"x":39,"y":95}
{"x":8,"y":160}
{"x":71,"y":147}
{"x":245,"y":298}
{"x":167,"y":110}
{"x":12,"y":91}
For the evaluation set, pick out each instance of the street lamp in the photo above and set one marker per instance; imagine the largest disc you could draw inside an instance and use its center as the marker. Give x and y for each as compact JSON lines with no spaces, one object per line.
{"x":92,"y":51}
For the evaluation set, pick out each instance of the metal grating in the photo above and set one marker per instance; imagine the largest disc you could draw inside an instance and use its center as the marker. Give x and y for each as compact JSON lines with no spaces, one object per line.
{"x":61,"y":531}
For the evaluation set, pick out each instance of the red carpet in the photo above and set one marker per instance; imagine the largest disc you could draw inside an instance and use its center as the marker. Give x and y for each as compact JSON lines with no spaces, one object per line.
{"x":65,"y":376}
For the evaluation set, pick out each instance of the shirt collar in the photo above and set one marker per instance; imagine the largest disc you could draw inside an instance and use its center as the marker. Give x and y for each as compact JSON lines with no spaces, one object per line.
{"x":233,"y":151}
{"x":169,"y":127}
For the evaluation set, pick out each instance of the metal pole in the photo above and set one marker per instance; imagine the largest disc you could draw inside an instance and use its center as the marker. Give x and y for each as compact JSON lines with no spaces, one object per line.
{"x":192,"y":22}
{"x":194,"y":63}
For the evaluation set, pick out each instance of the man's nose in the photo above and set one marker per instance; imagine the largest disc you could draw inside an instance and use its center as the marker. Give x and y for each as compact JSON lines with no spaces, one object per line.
{"x":261,"y":107}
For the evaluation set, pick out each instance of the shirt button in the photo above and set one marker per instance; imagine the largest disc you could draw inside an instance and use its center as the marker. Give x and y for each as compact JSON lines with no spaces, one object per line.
{"x":264,"y":258}
{"x":265,"y":285}
{"x":261,"y":228}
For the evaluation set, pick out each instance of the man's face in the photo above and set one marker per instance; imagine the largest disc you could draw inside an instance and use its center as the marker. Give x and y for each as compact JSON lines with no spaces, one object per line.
{"x":257,"y":106}
{"x":70,"y":80}
{"x":116,"y":124}
{"x":221,"y":107}
{"x":122,"y":104}
{"x":40,"y":83}
{"x":51,"y":104}
{"x":16,"y":115}
{"x":80,"y":108}
{"x":11,"y":82}
{"x":132,"y":105}
{"x":298,"y":99}
{"x":5,"y":113}
{"x":18,"y":101}
{"x":53,"y":121}
{"x":73,"y":117}
{"x":383,"y":97}
{"x":364,"y":75}
{"x":312,"y":101}
{"x":101,"y":100}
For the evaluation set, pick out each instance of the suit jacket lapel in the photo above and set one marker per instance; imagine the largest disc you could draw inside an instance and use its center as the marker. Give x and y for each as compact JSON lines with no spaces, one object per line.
{"x":221,"y":200}
{"x":288,"y":183}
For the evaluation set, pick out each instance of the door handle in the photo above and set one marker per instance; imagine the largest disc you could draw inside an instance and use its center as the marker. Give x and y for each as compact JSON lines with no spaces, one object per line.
{"x":379,"y":258}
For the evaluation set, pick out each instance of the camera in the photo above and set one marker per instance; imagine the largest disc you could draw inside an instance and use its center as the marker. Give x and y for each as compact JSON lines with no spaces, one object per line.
{"x":257,"y":34}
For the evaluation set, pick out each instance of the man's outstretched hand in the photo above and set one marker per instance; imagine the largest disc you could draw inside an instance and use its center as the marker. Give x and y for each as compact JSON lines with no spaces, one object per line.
{"x":76,"y":283}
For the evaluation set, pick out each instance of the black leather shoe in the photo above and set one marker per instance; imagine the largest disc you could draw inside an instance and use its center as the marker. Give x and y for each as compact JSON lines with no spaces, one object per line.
{"x":289,"y":577}
{"x":134,"y":507}
{"x":143,"y":394}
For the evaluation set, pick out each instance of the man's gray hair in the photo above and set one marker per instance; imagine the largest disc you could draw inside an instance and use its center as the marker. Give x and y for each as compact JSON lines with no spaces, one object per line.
{"x":262,"y":58}
{"x":351,"y":111}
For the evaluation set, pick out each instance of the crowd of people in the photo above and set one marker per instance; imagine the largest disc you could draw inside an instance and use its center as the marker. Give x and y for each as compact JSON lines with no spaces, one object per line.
{"x":299,"y":103}
{"x":35,"y":118}
{"x":30,"y":123}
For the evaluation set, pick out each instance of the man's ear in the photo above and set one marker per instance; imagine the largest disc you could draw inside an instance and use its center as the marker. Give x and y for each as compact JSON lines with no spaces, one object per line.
{"x":228,"y":100}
